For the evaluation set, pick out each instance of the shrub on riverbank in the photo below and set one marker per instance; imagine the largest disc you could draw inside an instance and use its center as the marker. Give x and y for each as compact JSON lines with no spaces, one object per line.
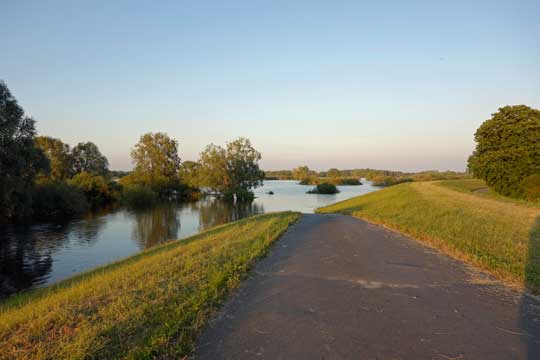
{"x":95,"y":187}
{"x":138,"y":196}
{"x":495,"y":233}
{"x":324,"y":188}
{"x":57,"y":200}
{"x":151,"y":305}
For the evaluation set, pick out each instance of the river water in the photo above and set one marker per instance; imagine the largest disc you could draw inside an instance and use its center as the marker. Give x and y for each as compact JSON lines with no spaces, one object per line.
{"x":39,"y":254}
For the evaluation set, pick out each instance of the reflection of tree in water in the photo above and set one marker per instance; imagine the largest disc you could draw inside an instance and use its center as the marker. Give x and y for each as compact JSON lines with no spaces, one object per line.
{"x":156,"y":225}
{"x":213,"y":211}
{"x":86,"y":231}
{"x":26,"y":255}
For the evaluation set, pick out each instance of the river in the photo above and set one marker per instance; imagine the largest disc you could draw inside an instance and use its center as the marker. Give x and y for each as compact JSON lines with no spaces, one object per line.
{"x":39,"y":254}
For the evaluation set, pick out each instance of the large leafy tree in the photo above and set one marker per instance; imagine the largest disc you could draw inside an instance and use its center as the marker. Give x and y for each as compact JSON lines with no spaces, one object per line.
{"x":87,"y":158}
{"x":243,"y":168}
{"x":508,"y":149}
{"x":156,"y":161}
{"x":233,"y":170}
{"x":213,"y":169}
{"x":20,"y":160}
{"x":189,"y":173}
{"x":59,"y":156}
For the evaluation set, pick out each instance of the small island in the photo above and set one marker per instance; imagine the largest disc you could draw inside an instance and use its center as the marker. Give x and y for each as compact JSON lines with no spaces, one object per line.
{"x":324,"y":188}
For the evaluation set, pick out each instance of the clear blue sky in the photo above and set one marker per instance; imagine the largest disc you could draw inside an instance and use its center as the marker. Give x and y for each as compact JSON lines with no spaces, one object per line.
{"x":384,"y":84}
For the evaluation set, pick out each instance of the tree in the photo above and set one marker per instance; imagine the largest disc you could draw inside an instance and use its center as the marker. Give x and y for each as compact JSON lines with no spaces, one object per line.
{"x":333,"y":173}
{"x":213,"y":169}
{"x":156,"y":162}
{"x":20,"y":161}
{"x":243,"y":168}
{"x":189,"y":173}
{"x":508,"y":149}
{"x":59,"y":155}
{"x":233,"y":171}
{"x":88,"y":158}
{"x":94,"y":187}
{"x":301,"y":173}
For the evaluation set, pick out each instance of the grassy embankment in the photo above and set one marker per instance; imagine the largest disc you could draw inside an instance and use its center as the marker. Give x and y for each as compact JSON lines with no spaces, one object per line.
{"x":463,"y":218}
{"x":149,"y":305}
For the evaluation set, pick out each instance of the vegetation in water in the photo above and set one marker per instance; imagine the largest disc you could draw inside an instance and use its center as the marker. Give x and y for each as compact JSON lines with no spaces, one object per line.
{"x":46,"y":179}
{"x":498,"y":234}
{"x":151,"y":305}
{"x":324,"y":188}
{"x":508,"y":150}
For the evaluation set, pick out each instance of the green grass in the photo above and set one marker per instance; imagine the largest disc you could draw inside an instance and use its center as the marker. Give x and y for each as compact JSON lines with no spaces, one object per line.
{"x":497,"y":234}
{"x":150,"y":305}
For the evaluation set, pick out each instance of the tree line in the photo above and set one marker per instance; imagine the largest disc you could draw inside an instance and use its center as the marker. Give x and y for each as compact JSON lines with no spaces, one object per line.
{"x":44,"y":178}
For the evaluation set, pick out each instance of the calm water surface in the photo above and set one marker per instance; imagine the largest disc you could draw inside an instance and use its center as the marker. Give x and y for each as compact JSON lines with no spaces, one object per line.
{"x":40,"y":254}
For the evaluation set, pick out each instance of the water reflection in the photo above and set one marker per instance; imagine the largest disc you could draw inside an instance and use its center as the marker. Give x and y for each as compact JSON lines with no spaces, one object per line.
{"x":213,"y":212}
{"x":25,"y":257}
{"x":156,"y":225}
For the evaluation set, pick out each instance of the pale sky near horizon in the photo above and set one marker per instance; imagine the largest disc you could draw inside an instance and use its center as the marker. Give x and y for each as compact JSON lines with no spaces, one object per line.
{"x":350,"y":84}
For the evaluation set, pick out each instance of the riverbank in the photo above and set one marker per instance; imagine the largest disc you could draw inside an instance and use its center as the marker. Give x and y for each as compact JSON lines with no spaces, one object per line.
{"x":462,"y":218}
{"x":151,"y":304}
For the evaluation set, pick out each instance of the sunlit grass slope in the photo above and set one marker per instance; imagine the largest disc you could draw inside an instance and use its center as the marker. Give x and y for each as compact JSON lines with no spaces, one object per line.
{"x":150,"y":305}
{"x":462,"y":218}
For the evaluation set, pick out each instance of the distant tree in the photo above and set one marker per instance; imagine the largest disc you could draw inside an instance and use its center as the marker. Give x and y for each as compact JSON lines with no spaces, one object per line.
{"x":213,"y":169}
{"x":301,"y":173}
{"x":231,"y":171}
{"x":156,"y":161}
{"x":59,"y":155}
{"x":20,"y":160}
{"x":508,"y":149}
{"x":87,"y":158}
{"x":243,"y":168}
{"x":189,"y":173}
{"x":333,"y":173}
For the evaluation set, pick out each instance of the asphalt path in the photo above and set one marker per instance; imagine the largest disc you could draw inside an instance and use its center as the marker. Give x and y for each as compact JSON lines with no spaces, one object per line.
{"x":336,"y":287}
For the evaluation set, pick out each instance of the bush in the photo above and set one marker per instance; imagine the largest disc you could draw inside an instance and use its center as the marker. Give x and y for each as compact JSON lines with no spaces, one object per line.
{"x":507,"y":149}
{"x":348,"y":181}
{"x":94,"y":187}
{"x":531,"y":187}
{"x":138,"y":196}
{"x":336,"y":181}
{"x":57,"y":200}
{"x":324,"y":188}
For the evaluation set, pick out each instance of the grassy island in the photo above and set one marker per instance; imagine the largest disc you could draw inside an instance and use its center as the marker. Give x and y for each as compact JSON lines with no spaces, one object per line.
{"x":151,"y":305}
{"x":324,"y":188}
{"x":463,"y":218}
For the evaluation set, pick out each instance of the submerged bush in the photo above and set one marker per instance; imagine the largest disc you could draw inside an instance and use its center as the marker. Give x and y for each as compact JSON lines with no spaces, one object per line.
{"x":138,"y":196}
{"x":531,"y":187}
{"x":57,"y":201}
{"x":324,"y":188}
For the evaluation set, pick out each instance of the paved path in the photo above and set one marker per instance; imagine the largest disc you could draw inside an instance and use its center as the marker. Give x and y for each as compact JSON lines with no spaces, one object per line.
{"x":335,"y":287}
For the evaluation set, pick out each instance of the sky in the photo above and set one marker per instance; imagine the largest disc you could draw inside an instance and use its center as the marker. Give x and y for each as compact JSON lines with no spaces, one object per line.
{"x":350,"y":84}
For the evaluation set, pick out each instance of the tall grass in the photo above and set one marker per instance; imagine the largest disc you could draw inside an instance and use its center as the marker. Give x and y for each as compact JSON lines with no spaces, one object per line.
{"x":150,"y":305}
{"x":495,"y":234}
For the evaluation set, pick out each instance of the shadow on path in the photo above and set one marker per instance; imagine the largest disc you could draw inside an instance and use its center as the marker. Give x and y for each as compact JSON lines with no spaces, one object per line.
{"x":530,"y":305}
